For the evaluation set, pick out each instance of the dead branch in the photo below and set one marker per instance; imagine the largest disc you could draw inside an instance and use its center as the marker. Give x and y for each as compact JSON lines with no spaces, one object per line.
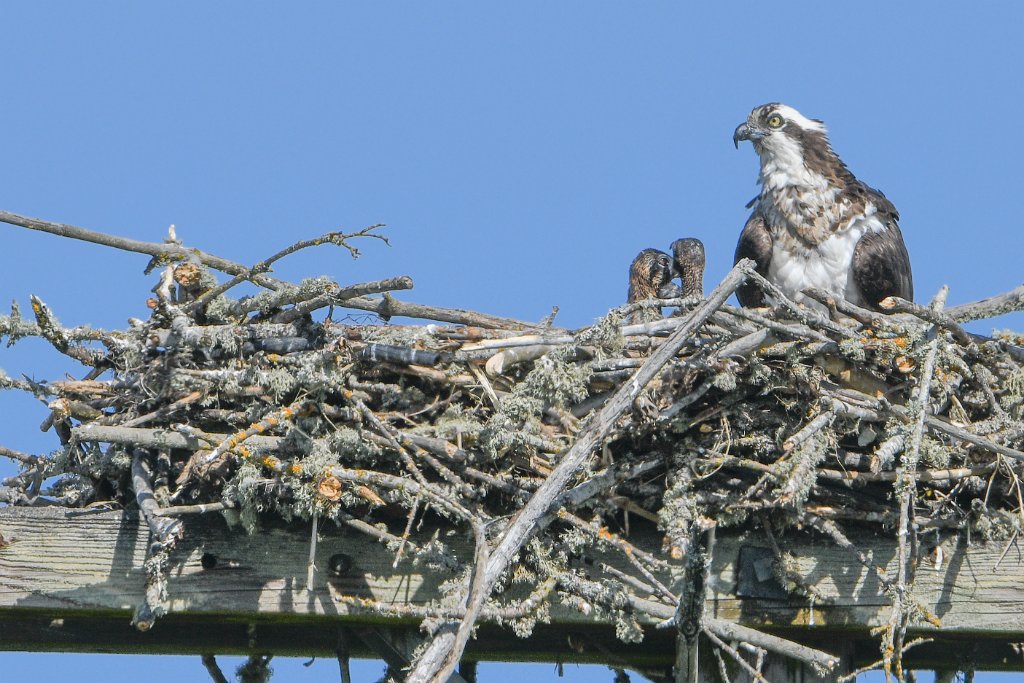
{"x":162,"y":252}
{"x":339,"y":295}
{"x":166,"y":533}
{"x":895,"y":304}
{"x":822,"y":661}
{"x":212,"y":668}
{"x":337,"y":238}
{"x":991,"y":307}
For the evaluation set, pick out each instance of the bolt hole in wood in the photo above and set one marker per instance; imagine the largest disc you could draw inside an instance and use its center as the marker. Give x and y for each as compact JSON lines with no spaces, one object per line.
{"x":339,"y":564}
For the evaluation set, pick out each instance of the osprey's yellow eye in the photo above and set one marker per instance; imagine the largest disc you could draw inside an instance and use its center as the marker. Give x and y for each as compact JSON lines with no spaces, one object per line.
{"x":775,"y":121}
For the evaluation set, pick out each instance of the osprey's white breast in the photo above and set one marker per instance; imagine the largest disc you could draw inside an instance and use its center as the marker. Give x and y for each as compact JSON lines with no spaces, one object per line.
{"x":795,"y":266}
{"x":814,"y":232}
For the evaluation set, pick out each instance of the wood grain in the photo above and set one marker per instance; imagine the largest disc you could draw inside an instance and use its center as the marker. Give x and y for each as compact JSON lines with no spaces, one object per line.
{"x":70,"y":582}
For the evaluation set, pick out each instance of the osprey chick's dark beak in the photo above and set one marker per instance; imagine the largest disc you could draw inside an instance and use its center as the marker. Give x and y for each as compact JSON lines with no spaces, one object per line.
{"x":745,"y":131}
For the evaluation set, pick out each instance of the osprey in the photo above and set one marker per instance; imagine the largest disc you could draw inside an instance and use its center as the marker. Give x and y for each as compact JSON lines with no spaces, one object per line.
{"x":688,"y":258}
{"x":814,"y":224}
{"x":650,"y":277}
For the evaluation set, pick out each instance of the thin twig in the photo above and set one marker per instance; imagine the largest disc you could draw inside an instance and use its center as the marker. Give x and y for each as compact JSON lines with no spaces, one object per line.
{"x":336,"y":238}
{"x":754,"y":674}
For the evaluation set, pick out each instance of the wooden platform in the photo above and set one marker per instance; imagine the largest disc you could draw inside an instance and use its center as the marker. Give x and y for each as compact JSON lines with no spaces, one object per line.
{"x":69,"y":582}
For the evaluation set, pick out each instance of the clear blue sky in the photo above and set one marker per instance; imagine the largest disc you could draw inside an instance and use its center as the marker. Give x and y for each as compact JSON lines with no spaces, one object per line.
{"x":520,"y":154}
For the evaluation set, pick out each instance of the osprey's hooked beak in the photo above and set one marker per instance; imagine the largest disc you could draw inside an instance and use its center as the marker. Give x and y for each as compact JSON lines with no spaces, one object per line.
{"x":745,"y":131}
{"x":670,"y":291}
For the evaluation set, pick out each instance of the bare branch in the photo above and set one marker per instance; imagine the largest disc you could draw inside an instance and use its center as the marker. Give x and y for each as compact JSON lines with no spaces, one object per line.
{"x":162,"y":252}
{"x":991,"y":307}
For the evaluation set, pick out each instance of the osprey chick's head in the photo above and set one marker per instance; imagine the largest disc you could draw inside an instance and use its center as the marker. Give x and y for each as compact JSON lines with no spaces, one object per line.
{"x":650,"y":275}
{"x":772,"y":127}
{"x":688,"y":256}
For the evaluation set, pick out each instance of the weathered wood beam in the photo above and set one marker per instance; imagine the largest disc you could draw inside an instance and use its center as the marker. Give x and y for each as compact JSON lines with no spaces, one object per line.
{"x":70,"y":582}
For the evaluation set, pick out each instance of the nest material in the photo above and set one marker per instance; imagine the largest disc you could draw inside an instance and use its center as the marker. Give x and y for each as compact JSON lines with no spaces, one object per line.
{"x":826,"y":419}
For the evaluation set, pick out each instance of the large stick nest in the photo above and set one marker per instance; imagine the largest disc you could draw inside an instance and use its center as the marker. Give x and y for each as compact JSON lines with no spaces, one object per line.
{"x":827,"y":419}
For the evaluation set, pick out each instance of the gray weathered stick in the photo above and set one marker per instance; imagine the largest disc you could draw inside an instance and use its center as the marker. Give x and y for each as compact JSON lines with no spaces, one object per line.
{"x":895,"y":304}
{"x":210,"y":662}
{"x":906,"y":491}
{"x":338,"y":296}
{"x":989,"y":308}
{"x":161,"y":527}
{"x":808,"y":316}
{"x":729,"y":631}
{"x":161,"y":250}
{"x":388,"y":307}
{"x":160,"y":438}
{"x":336,"y":238}
{"x":166,"y":533}
{"x":268,"y":301}
{"x":835,"y":303}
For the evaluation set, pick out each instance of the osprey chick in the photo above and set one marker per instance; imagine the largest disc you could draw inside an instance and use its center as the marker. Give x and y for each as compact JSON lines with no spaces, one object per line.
{"x":814,"y":224}
{"x":650,"y":277}
{"x":688,"y":256}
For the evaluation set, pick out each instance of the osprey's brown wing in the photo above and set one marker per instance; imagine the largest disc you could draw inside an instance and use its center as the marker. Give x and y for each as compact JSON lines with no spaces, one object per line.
{"x":755,"y":243}
{"x":881,"y":265}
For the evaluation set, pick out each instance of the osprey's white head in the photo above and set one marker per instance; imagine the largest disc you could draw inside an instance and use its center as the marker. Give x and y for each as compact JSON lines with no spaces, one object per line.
{"x":773,"y":127}
{"x":794,"y":150}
